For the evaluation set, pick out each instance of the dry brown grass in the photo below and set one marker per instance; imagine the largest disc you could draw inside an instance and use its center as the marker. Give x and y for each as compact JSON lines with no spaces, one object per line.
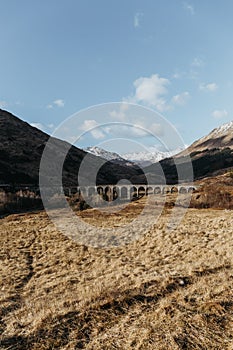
{"x":165,"y":291}
{"x":215,"y":192}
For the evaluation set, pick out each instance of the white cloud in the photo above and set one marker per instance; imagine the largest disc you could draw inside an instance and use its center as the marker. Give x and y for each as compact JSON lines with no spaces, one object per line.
{"x":181,"y":99}
{"x":150,"y":91}
{"x":3,"y":104}
{"x":137,"y":19}
{"x":189,"y":7}
{"x":135,"y":130}
{"x":219,"y":114}
{"x":59,"y":103}
{"x":56,"y":103}
{"x":94,"y":128}
{"x":208,"y":87}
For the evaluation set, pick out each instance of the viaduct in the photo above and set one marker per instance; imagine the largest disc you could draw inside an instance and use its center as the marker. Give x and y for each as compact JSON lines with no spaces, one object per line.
{"x":130,"y":191}
{"x":111,"y":192}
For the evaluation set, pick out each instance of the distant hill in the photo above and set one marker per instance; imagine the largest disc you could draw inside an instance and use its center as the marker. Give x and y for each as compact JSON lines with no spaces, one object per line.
{"x":21,"y":148}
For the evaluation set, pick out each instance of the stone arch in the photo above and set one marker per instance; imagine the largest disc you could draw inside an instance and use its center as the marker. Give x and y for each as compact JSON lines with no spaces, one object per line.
{"x":124,"y":192}
{"x":115,"y":192}
{"x":149,"y":190}
{"x":166,"y":189}
{"x":91,"y":191}
{"x":174,"y":189}
{"x":83,"y":191}
{"x":141,"y":191}
{"x":191,"y":189}
{"x":183,"y":190}
{"x":133,"y":192}
{"x":108,"y":193}
{"x":157,"y":190}
{"x":100,"y":190}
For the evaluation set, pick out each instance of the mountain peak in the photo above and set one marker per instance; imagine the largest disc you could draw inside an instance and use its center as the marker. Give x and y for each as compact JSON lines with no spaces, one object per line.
{"x":219,"y":138}
{"x":223,"y":129}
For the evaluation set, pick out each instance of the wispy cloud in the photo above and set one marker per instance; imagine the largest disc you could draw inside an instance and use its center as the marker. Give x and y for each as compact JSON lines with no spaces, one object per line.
{"x":137,"y":19}
{"x":208,"y":87}
{"x":60,"y":103}
{"x":93,"y":127}
{"x":189,"y":8}
{"x":181,"y":99}
{"x":219,"y":113}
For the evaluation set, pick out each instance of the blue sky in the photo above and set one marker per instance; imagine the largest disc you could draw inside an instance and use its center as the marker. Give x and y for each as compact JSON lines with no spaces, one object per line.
{"x":58,"y":57}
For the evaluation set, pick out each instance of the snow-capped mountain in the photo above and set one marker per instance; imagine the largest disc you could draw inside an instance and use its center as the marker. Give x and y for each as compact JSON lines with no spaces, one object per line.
{"x":100,"y":152}
{"x":151,"y":156}
{"x":110,"y":156}
{"x":221,"y":137}
{"x":142,"y":159}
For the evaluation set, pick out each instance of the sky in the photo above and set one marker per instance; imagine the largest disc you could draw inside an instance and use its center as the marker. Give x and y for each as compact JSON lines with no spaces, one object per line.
{"x":61,"y":56}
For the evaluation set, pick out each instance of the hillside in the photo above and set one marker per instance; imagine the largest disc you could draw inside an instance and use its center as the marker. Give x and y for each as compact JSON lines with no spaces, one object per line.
{"x":21,"y":148}
{"x":210,"y":155}
{"x":219,"y":138}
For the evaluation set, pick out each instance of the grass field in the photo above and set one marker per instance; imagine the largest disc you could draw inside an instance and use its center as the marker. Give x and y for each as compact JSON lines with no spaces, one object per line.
{"x":166,"y":290}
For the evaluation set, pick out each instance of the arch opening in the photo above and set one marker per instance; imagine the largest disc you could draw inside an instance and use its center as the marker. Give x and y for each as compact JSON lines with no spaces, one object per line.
{"x":157,"y":190}
{"x":141,"y":191}
{"x":183,"y":190}
{"x":133,"y":192}
{"x":149,"y":191}
{"x":124,"y":192}
{"x":174,"y":189}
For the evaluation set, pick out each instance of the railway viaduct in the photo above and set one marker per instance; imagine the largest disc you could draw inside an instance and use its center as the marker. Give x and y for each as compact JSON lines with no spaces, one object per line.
{"x":130,"y":191}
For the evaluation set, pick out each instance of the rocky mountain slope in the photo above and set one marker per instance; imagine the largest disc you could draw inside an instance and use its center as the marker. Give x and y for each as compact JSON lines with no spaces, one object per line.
{"x":219,"y":138}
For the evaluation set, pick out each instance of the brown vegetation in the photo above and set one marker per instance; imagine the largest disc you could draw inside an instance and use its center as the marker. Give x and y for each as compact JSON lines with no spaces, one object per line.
{"x":168,"y":290}
{"x":215,"y":192}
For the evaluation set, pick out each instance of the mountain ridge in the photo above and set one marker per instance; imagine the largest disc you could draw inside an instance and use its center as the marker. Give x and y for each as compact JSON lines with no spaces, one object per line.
{"x":220,"y":137}
{"x":21,"y":149}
